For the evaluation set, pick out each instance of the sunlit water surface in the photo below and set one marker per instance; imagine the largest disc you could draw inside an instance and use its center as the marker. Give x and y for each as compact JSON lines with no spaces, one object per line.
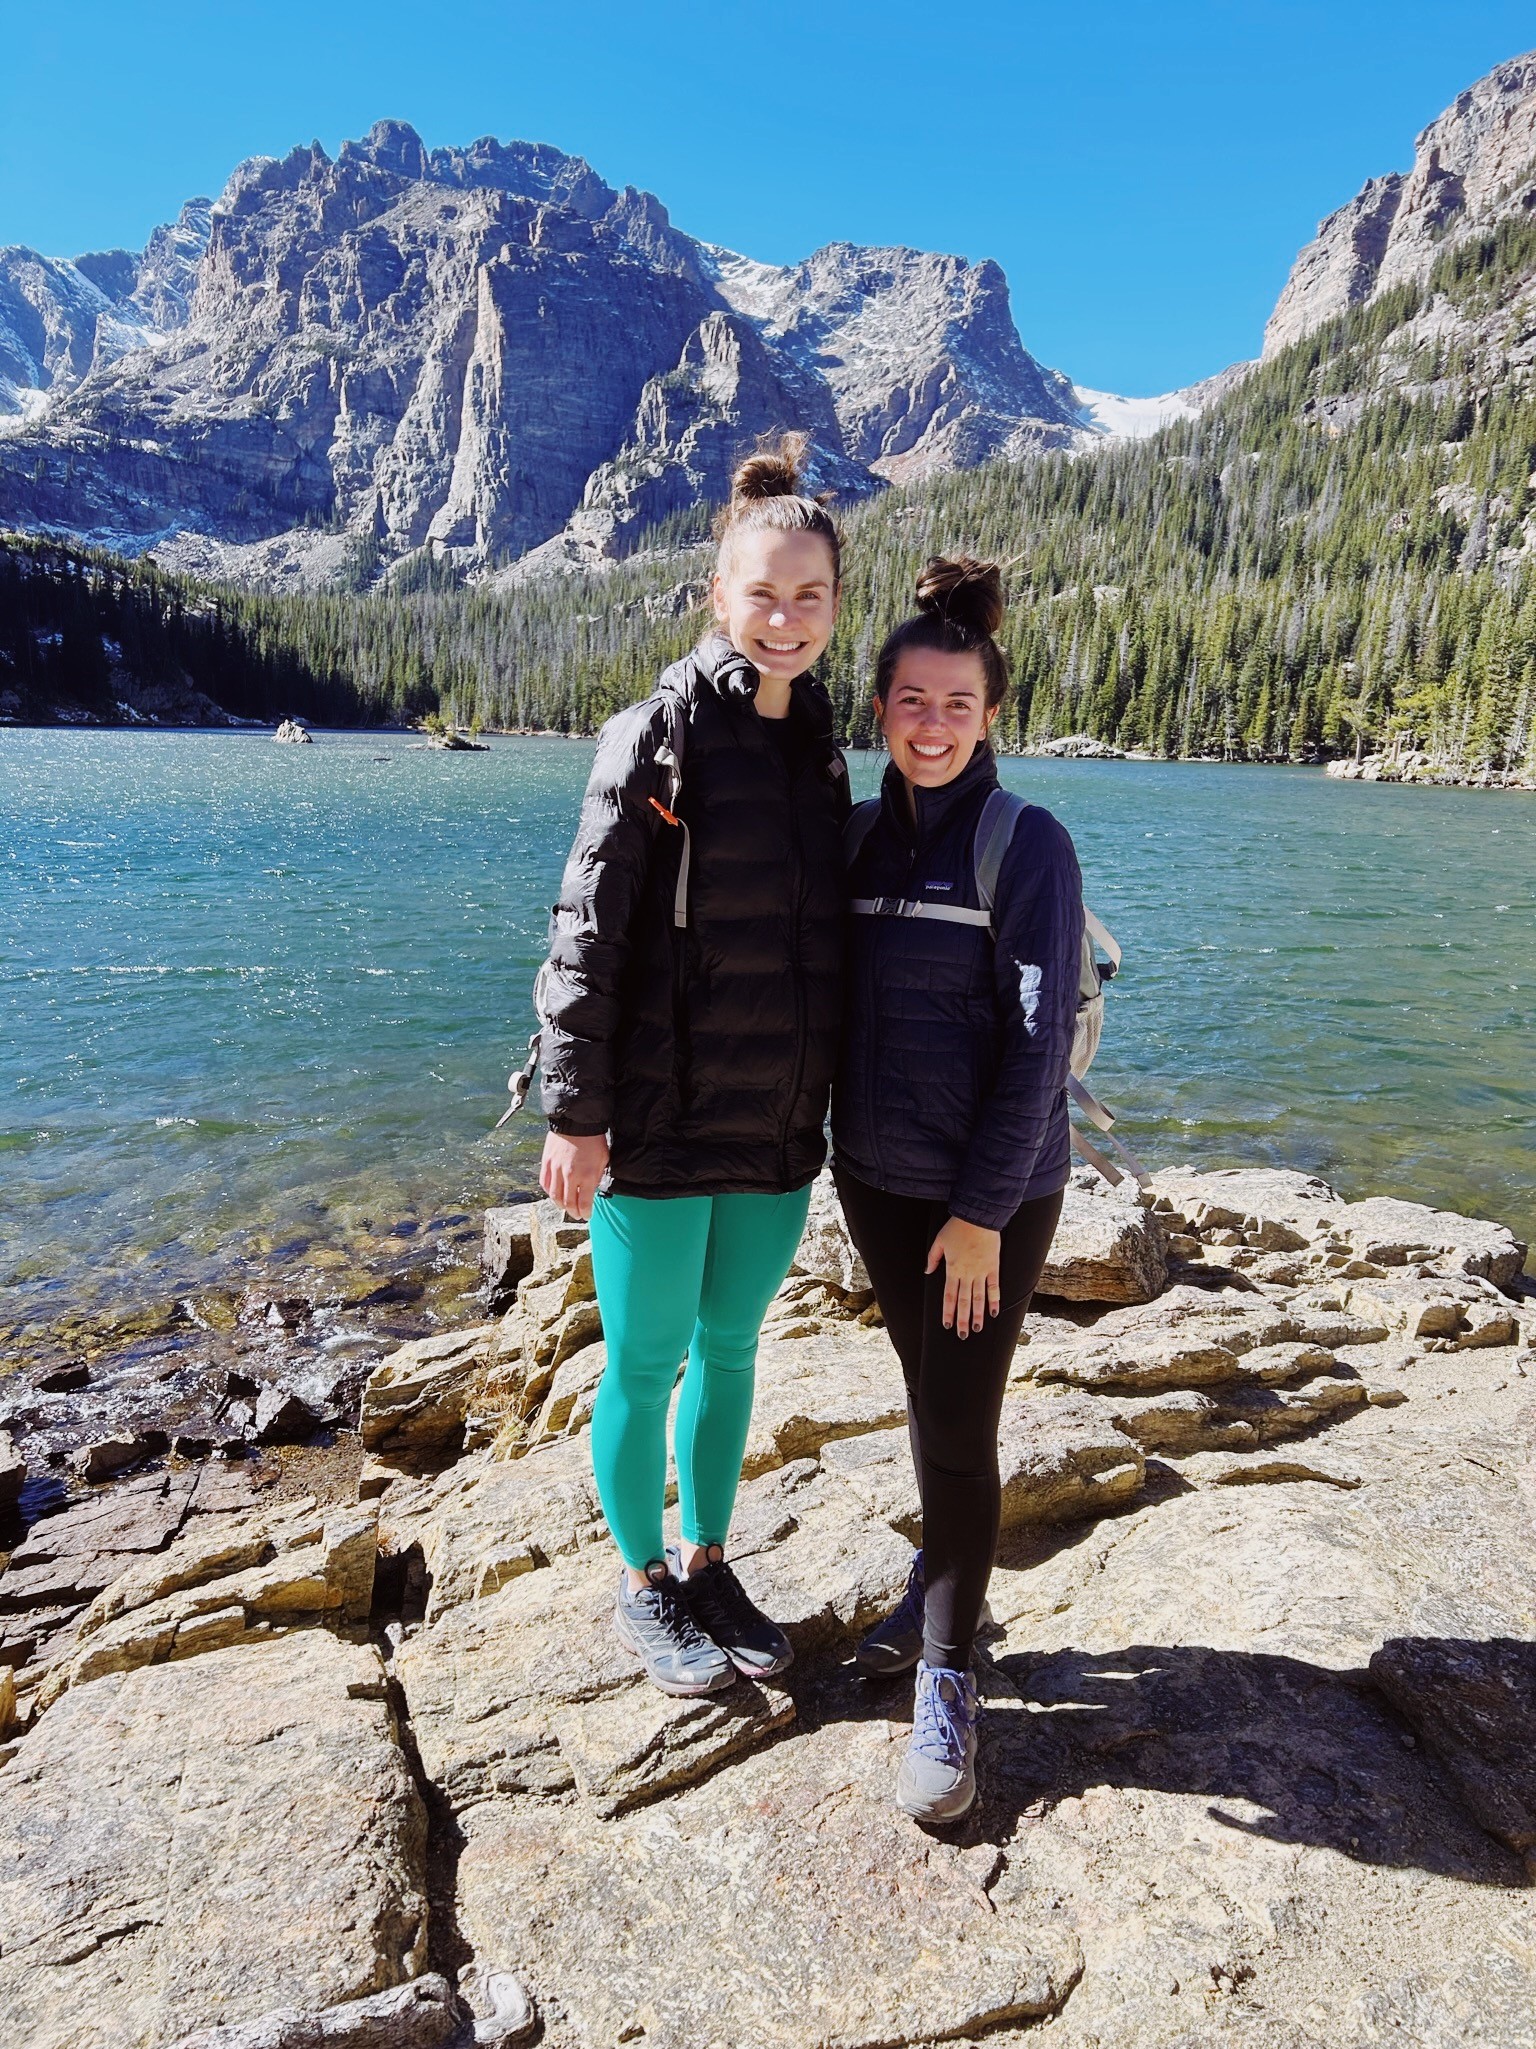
{"x":258,"y":1001}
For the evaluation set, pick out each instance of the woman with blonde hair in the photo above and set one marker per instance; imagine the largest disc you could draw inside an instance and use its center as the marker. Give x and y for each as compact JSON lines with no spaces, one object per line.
{"x":689,"y":1009}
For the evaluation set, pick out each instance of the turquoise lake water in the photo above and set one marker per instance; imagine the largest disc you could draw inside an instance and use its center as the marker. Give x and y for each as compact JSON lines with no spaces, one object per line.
{"x":257,"y":999}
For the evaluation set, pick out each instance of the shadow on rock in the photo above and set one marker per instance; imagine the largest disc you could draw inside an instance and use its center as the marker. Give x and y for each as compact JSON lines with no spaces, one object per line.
{"x":1282,"y":1749}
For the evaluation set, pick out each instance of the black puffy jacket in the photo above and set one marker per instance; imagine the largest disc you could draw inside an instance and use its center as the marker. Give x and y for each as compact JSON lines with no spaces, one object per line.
{"x":952,"y":1083}
{"x":706,"y":1052}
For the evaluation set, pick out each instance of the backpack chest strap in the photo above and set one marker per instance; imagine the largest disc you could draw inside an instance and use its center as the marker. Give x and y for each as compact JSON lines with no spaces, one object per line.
{"x":911,"y":907}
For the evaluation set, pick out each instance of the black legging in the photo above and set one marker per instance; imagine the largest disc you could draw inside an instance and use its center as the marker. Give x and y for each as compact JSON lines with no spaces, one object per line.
{"x":954,"y":1390}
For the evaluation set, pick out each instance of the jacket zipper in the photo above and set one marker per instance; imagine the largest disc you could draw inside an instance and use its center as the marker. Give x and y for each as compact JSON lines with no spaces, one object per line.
{"x":797,"y":877}
{"x":872,"y":1120}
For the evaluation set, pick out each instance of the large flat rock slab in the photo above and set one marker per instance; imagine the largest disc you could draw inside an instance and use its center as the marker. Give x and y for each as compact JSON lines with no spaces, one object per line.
{"x":784,"y":1903}
{"x":205,"y":1842}
{"x":1434,"y":1538}
{"x":1269,"y":1743}
{"x":1251,"y":1855}
{"x":811,"y":1390}
{"x":528,"y":1693}
{"x":487,"y":1520}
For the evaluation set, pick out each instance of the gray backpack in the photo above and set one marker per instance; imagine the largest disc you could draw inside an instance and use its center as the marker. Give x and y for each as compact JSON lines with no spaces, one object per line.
{"x":995,"y":828}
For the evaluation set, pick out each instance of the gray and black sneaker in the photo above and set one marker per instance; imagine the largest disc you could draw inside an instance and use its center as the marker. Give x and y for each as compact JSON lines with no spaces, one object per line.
{"x":937,"y":1779}
{"x":896,"y":1644}
{"x":656,"y":1625}
{"x":722,"y":1607}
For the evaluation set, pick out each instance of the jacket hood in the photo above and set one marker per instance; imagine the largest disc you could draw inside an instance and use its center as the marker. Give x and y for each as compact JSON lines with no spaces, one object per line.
{"x":730,"y":673}
{"x":721,"y":668}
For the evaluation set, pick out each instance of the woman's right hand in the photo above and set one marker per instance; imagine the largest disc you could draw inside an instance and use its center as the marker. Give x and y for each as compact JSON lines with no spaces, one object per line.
{"x":572,"y":1170}
{"x":972,"y":1257}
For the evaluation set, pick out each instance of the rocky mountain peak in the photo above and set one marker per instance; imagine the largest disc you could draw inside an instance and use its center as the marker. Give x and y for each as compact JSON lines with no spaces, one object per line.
{"x":490,"y":351}
{"x":390,"y":146}
{"x":1473,"y":165}
{"x":60,"y":319}
{"x":919,"y":352}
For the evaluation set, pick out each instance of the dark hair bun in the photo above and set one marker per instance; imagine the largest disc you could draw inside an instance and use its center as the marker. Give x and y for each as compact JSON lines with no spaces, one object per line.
{"x":965,"y":592}
{"x":770,"y":472}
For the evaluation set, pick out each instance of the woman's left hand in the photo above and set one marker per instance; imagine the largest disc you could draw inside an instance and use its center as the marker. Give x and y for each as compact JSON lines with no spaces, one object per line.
{"x":971,"y":1289}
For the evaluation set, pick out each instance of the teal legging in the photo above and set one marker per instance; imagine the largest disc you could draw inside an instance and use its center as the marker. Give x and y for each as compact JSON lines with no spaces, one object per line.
{"x":680,"y":1273}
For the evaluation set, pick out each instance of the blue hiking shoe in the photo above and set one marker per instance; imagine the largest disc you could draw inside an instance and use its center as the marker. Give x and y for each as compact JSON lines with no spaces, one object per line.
{"x":937,"y":1780}
{"x":656,"y":1626}
{"x":896,"y":1644}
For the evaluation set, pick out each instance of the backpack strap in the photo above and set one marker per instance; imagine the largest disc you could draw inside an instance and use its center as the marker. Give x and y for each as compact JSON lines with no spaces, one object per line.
{"x":669,"y":755}
{"x":993,"y":837}
{"x":1106,"y":942}
{"x":995,"y":828}
{"x":862,"y":821}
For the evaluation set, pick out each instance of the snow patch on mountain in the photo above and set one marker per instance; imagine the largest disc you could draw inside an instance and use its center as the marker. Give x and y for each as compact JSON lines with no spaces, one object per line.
{"x":1110,"y":416}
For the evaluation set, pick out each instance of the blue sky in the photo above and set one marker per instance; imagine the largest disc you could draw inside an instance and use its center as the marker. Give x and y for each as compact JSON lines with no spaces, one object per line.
{"x":1143,"y":172}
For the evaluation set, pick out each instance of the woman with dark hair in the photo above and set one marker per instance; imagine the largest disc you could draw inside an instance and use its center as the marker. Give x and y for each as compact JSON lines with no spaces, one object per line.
{"x":949,"y":1117}
{"x":689,"y":1010}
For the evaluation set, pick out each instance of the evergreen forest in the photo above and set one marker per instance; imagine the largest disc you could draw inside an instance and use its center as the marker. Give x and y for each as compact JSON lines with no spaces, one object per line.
{"x":1338,"y":554}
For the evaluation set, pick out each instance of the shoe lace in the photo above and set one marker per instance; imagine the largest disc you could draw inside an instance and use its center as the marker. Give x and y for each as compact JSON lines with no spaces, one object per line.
{"x":942,"y":1715}
{"x":907,"y":1615}
{"x":722,"y":1598}
{"x":672,"y":1615}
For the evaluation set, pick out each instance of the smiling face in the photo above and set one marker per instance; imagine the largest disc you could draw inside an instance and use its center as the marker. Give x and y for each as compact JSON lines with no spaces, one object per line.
{"x":776,"y":599}
{"x":934,"y":713}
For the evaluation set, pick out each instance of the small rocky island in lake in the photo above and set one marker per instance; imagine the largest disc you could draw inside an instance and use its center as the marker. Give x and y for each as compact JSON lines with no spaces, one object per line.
{"x":1260,"y":1679}
{"x":292,"y":734}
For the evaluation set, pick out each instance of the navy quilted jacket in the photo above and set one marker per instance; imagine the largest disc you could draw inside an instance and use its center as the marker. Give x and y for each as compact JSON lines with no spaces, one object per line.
{"x":952,"y":1081}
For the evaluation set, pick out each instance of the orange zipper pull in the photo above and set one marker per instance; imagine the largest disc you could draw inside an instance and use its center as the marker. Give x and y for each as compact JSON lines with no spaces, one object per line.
{"x":669,"y":816}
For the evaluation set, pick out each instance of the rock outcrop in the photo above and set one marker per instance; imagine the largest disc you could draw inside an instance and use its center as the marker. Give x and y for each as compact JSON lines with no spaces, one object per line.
{"x":205,"y":1843}
{"x":1472,"y":167}
{"x":485,"y":351}
{"x":1259,"y":1713}
{"x":416,"y":1403}
{"x":59,"y":321}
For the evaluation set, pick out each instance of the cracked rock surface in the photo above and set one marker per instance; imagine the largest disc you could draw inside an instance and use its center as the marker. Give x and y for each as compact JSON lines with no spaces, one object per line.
{"x":209,"y":1840}
{"x":1259,"y":1674}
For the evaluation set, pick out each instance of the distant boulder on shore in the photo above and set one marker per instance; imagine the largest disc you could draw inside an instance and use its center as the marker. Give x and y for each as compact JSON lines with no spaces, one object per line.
{"x":1077,"y":747}
{"x":292,"y":734}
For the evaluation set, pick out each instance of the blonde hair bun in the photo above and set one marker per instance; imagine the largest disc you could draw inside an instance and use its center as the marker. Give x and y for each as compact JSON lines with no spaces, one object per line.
{"x":766,"y":498}
{"x":770,"y":472}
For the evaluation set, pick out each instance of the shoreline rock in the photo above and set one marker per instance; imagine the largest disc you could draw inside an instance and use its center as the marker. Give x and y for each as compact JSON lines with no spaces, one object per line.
{"x":1419,"y":768}
{"x":1260,"y":1631}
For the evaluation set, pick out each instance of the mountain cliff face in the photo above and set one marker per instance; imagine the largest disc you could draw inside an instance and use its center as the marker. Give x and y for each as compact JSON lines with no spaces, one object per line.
{"x":919,"y":353}
{"x":60,"y":321}
{"x":1474,"y":166}
{"x":485,"y":349}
